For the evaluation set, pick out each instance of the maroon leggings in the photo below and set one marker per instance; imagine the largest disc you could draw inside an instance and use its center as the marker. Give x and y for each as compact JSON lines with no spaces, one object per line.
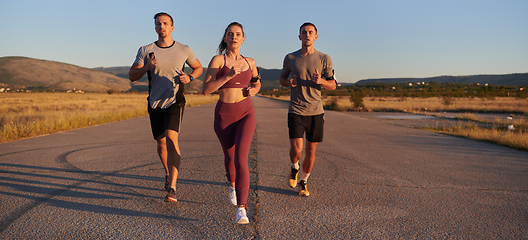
{"x":234,"y":125}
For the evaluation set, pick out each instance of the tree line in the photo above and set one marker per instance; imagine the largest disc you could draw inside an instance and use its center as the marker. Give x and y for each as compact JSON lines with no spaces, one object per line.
{"x":419,"y":90}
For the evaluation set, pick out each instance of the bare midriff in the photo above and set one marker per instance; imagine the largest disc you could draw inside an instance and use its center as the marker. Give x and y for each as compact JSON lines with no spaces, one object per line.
{"x":231,"y":95}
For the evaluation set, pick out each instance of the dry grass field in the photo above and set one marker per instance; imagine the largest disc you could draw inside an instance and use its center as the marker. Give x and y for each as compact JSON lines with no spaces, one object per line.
{"x":436,"y":104}
{"x":25,"y":115}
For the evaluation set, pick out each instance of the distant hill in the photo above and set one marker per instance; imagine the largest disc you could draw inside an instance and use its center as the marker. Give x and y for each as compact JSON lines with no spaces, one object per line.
{"x":29,"y":73}
{"x":140,"y":85}
{"x":516,"y":79}
{"x":36,"y":74}
{"x":270,"y":78}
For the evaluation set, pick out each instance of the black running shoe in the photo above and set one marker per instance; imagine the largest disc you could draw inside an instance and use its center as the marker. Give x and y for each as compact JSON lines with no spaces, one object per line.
{"x":303,"y":189}
{"x":293,"y":177}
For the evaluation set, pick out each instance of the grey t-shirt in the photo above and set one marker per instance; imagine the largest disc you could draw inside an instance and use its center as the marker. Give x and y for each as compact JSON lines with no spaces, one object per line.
{"x":305,"y":99}
{"x":164,"y":81}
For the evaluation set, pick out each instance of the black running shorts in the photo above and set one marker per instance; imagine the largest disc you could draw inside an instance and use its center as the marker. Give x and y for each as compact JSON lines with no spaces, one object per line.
{"x":313,"y":126}
{"x":168,"y":118}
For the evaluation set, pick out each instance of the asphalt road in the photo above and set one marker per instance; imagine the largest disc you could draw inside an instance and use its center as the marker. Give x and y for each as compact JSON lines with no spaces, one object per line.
{"x":372,"y":180}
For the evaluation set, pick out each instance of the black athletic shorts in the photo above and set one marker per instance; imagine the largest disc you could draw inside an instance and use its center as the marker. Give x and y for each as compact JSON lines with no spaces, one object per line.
{"x":168,"y":118}
{"x":313,"y":126}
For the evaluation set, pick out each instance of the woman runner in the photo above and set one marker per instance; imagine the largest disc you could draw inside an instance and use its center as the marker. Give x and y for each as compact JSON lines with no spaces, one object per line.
{"x":236,"y":78}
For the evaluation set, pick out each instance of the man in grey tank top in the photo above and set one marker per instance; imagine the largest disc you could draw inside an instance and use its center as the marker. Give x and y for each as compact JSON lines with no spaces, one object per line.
{"x":306,"y":72}
{"x":163,"y":61}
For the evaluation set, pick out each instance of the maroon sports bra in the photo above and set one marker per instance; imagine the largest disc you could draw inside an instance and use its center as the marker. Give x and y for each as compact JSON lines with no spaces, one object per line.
{"x":239,"y":81}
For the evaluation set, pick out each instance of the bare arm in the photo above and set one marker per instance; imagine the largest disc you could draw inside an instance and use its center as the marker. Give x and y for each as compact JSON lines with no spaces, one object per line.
{"x":197,"y":71}
{"x":329,"y":84}
{"x":291,"y":82}
{"x":137,"y":70}
{"x":254,"y":86}
{"x":284,"y":82}
{"x":326,"y":84}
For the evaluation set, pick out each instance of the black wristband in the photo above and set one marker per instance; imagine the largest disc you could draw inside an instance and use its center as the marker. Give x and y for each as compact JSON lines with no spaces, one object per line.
{"x":191,"y":77}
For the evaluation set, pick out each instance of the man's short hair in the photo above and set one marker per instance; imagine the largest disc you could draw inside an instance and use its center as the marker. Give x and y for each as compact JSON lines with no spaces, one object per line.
{"x":307,"y":24}
{"x":164,"y":14}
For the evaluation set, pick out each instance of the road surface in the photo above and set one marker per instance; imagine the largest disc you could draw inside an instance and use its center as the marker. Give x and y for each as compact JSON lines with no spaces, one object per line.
{"x":372,"y":179}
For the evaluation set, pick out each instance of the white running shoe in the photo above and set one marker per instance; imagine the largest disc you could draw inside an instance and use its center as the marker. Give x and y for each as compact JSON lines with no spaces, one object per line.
{"x":241,"y":217}
{"x":232,"y":196}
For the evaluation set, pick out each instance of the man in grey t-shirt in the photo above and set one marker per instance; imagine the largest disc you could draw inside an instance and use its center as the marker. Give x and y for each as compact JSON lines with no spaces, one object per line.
{"x":306,"y":71}
{"x":164,"y":61}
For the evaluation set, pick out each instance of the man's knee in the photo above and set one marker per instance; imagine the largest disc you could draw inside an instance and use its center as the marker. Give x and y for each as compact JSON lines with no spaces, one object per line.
{"x":172,"y":138}
{"x":296,"y":145}
{"x":311,"y":147}
{"x":296,"y":152}
{"x":162,"y":143}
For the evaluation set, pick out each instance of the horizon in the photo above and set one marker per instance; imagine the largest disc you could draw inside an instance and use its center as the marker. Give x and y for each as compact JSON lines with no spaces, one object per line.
{"x":366,"y":40}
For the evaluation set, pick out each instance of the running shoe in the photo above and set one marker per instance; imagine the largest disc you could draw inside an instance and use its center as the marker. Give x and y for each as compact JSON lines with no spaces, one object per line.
{"x":167,"y":182}
{"x":171,"y":195}
{"x":293,"y":177}
{"x":241,"y":217}
{"x":303,"y":189}
{"x":232,"y":196}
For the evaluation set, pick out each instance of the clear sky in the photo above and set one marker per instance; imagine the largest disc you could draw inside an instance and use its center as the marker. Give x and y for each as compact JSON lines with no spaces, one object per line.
{"x":365,"y":39}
